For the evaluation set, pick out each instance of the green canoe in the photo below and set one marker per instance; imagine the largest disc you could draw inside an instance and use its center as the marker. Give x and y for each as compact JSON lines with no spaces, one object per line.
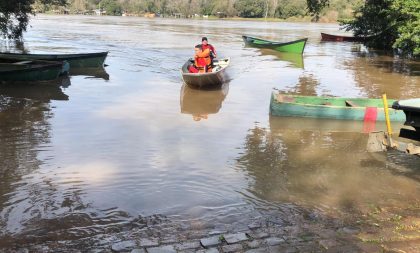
{"x":296,"y":46}
{"x":331,"y":108}
{"x":28,"y":71}
{"x":89,"y":60}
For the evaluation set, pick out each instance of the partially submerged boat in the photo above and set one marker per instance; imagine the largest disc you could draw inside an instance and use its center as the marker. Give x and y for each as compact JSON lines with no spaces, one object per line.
{"x":411,"y":108}
{"x":208,"y":80}
{"x":365,"y":109}
{"x":87,"y":60}
{"x":341,"y":38}
{"x":29,"y":71}
{"x":296,"y":46}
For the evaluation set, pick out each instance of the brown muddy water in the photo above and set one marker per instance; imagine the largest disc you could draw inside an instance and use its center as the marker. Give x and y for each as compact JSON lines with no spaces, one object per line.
{"x":109,"y":148}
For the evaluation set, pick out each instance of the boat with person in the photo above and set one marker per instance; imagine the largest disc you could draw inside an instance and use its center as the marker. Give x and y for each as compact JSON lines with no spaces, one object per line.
{"x":30,"y":71}
{"x":341,"y":38}
{"x":296,"y":46}
{"x":85,"y":60}
{"x":208,"y":80}
{"x":364,"y":109}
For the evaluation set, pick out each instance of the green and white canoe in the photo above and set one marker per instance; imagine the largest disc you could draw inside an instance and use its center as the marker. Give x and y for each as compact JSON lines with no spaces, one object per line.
{"x":29,"y":71}
{"x":366,"y":109}
{"x":297,"y":46}
{"x":88,"y":60}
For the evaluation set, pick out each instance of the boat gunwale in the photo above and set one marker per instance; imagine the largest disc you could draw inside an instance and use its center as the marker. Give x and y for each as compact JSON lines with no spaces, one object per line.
{"x":274,"y":95}
{"x":276,"y":43}
{"x":54,"y":57}
{"x":46,"y":66}
{"x":207,"y":73}
{"x":342,"y":36}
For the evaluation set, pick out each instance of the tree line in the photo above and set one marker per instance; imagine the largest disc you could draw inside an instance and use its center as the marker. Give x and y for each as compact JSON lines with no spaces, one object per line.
{"x":222,"y":8}
{"x":384,"y":24}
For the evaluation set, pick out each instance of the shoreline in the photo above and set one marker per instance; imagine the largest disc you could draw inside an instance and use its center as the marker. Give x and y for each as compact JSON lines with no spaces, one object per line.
{"x":306,"y":19}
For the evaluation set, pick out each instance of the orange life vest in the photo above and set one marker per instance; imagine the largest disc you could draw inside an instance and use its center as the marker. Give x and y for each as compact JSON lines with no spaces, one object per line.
{"x":203,"y":61}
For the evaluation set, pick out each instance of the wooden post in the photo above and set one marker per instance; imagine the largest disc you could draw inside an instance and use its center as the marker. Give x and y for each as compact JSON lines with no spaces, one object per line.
{"x":388,"y":122}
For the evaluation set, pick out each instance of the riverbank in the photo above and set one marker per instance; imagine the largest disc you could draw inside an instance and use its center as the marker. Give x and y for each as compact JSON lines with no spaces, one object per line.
{"x":380,"y":229}
{"x":297,"y":19}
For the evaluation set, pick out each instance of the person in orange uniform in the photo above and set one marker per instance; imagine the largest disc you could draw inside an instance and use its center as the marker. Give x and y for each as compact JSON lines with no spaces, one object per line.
{"x":202,"y":60}
{"x":205,"y":44}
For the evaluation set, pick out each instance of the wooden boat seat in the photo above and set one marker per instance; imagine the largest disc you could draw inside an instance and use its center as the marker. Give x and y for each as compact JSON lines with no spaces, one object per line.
{"x":350,"y":103}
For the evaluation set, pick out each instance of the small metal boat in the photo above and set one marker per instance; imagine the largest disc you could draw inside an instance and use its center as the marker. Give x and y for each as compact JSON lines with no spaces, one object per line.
{"x":209,"y":80}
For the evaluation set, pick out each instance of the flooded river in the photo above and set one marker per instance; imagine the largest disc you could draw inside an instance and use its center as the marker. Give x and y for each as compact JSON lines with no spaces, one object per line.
{"x":107,"y":150}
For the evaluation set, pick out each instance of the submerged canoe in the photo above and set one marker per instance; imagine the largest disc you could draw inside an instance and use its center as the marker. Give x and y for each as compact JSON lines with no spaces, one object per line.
{"x":89,"y":60}
{"x":28,"y":71}
{"x":411,"y":108}
{"x":297,"y":46}
{"x":331,"y":108}
{"x":340,"y":38}
{"x":208,"y":80}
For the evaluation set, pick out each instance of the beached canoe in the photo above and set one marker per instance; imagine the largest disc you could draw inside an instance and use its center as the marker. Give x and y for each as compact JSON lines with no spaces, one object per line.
{"x":89,"y":60}
{"x":209,"y":80}
{"x":411,"y":108}
{"x":340,"y":38}
{"x":297,"y":46}
{"x":28,"y":71}
{"x":331,"y":108}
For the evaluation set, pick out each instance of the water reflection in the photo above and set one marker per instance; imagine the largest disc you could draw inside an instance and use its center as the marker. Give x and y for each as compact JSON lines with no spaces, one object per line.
{"x":306,"y":85}
{"x":391,"y":64}
{"x":24,"y":130}
{"x":325,"y":170}
{"x":295,"y":60}
{"x":90,"y":73}
{"x":38,"y":92}
{"x":329,"y":125}
{"x":378,"y":74}
{"x":201,"y":103}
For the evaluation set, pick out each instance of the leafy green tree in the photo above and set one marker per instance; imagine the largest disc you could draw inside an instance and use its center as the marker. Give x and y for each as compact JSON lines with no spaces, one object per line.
{"x":409,"y":28}
{"x":290,"y":8}
{"x":250,"y":8}
{"x":15,"y":15}
{"x":316,"y":6}
{"x":388,"y":24}
{"x":111,"y":7}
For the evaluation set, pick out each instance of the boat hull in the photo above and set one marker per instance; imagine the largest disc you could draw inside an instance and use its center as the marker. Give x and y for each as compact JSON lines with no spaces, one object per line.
{"x":297,"y":46}
{"x":91,"y":60}
{"x":331,"y":108}
{"x":411,"y":108}
{"x":340,"y":38}
{"x":210,"y":80}
{"x":30,"y":71}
